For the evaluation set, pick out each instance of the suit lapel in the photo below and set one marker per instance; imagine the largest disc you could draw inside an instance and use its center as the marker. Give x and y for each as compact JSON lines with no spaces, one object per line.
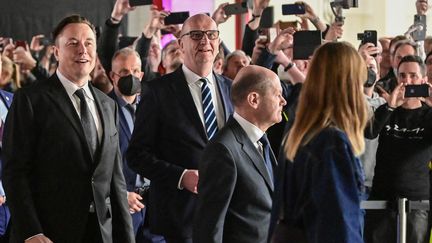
{"x":103,"y":111}
{"x":249,"y":149}
{"x":182,"y":93}
{"x":224,"y":91}
{"x":60,"y":97}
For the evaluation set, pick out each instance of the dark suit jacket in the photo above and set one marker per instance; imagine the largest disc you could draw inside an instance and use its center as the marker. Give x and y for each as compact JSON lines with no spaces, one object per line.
{"x":124,"y":137}
{"x":49,"y":174}
{"x":168,"y":138}
{"x":234,"y":190}
{"x":6,"y":98}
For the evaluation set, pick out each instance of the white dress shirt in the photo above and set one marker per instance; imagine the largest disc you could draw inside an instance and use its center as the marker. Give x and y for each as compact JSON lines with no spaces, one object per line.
{"x":252,"y":131}
{"x":195,"y":88}
{"x":71,"y":88}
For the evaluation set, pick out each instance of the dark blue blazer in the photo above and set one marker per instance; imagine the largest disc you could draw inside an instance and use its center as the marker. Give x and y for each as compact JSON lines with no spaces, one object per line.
{"x":124,"y":137}
{"x":168,"y":138}
{"x":6,"y":98}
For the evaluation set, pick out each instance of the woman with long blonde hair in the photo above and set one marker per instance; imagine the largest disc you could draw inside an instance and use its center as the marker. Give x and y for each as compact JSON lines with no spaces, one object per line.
{"x":325,"y":182}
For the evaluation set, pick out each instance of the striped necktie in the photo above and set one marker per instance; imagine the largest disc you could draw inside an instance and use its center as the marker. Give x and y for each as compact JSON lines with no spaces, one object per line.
{"x":209,"y":110}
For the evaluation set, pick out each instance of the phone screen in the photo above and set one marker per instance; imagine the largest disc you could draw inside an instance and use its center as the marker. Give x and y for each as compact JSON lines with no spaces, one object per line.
{"x":134,"y":3}
{"x":421,"y":90}
{"x":289,"y":9}
{"x":176,"y":18}
{"x":236,"y":8}
{"x":305,"y":43}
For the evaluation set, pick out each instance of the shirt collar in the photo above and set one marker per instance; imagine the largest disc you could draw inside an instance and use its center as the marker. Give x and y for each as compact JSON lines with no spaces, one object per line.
{"x":252,"y":131}
{"x":71,"y":87}
{"x":192,"y":77}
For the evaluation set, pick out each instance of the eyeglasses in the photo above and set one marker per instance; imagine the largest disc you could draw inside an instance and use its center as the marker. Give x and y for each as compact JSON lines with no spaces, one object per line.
{"x":199,"y":34}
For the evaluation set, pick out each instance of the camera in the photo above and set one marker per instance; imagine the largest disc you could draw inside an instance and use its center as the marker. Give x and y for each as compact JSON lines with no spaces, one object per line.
{"x":345,"y":4}
{"x":337,"y":6}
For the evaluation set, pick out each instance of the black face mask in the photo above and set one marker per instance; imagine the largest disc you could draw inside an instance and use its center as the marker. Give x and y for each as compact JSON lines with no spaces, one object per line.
{"x":370,"y":79}
{"x":129,"y":85}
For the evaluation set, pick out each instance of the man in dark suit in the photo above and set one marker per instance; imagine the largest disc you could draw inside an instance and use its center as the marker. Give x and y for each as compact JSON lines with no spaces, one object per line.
{"x":126,"y":76}
{"x":236,"y":182}
{"x":172,"y":129}
{"x":62,"y":165}
{"x":5,"y":102}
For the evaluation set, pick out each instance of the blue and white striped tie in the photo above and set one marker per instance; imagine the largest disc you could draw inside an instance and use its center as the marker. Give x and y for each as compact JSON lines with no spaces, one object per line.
{"x":209,"y":110}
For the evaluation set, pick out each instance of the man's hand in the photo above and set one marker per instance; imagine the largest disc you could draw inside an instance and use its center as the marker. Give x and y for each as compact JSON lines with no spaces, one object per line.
{"x":282,"y":41}
{"x":35,"y":43}
{"x":335,"y":32}
{"x":39,"y":239}
{"x":190,"y":181}
{"x":259,"y":6}
{"x":24,"y":58}
{"x":2,"y":198}
{"x":219,"y":15}
{"x":397,"y":96}
{"x":422,"y":7}
{"x":121,"y":8}
{"x":156,"y":21}
{"x":367,"y":50}
{"x":134,"y":202}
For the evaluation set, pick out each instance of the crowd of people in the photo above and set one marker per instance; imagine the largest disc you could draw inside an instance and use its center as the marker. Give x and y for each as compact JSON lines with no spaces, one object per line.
{"x":105,"y":139}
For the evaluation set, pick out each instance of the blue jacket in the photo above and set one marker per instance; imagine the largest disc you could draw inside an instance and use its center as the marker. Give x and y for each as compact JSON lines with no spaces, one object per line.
{"x":325,"y":186}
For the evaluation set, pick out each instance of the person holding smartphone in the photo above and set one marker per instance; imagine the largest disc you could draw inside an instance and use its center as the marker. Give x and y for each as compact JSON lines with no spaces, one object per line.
{"x":404,"y":126}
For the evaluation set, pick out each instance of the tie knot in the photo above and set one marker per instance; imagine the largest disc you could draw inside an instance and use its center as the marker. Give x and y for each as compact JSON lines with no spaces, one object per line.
{"x":80,"y":93}
{"x":264,"y":141}
{"x":130,"y":108}
{"x":203,"y":80}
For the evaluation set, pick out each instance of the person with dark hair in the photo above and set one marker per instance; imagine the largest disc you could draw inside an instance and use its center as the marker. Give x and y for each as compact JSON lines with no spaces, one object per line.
{"x":234,"y":205}
{"x":404,"y":126}
{"x":62,"y":164}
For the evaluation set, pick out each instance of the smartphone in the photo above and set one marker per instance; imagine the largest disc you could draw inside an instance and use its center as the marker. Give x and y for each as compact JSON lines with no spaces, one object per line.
{"x":236,"y":8}
{"x":290,"y":9}
{"x":421,"y":90}
{"x":305,"y":43}
{"x":176,"y":18}
{"x":272,"y":33}
{"x":45,"y":41}
{"x":369,"y":36}
{"x":286,"y":24}
{"x":267,"y":18}
{"x":125,"y":41}
{"x":419,"y":34}
{"x":21,"y":43}
{"x":134,"y":3}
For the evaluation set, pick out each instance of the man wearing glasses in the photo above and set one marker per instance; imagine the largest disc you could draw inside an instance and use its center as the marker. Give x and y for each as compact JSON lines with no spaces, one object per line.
{"x":177,"y":116}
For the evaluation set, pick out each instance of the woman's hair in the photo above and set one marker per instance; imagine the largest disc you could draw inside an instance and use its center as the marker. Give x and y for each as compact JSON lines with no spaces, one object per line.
{"x":332,"y":95}
{"x":11,"y":73}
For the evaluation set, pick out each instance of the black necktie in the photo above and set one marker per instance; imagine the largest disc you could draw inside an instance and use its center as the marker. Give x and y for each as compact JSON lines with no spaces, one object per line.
{"x":131,"y":110}
{"x":266,"y":154}
{"x":87,"y":122}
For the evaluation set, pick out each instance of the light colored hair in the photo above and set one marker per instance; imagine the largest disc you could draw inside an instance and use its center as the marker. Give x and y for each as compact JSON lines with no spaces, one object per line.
{"x":332,"y":95}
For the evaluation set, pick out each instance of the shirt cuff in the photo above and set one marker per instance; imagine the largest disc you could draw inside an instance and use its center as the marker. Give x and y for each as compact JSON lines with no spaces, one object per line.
{"x":179,"y":182}
{"x":33,"y":237}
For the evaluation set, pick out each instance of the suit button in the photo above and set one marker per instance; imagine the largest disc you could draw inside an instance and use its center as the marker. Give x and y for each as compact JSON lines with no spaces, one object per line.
{"x":92,"y":180}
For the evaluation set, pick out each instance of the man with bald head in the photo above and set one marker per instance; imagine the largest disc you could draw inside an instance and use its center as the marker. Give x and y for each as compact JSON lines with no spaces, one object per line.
{"x":177,"y":116}
{"x":236,"y":183}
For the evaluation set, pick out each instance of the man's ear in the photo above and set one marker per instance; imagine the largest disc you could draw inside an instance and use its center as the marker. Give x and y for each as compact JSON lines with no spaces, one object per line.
{"x":253,"y":99}
{"x":141,"y":75}
{"x":55,"y":52}
{"x":112,"y":75}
